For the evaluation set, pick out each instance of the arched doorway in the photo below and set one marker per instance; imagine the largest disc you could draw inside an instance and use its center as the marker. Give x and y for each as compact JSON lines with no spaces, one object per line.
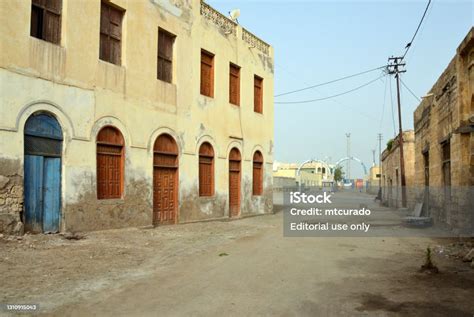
{"x":110,"y":163}
{"x":165,"y":180}
{"x":42,"y":170}
{"x":257,"y":175}
{"x":234,"y":183}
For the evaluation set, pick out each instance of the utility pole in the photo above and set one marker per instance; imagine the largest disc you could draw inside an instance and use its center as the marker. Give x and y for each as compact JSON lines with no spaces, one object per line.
{"x":380,"y":160}
{"x":394,"y":65}
{"x":348,"y":164}
{"x":373,"y":157}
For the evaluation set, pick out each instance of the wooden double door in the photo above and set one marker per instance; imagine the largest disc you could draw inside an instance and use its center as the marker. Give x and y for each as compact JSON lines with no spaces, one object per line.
{"x":234,"y":182}
{"x":165,"y":181}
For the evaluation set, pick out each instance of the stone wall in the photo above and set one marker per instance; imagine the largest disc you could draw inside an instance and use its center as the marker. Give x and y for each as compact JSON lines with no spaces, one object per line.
{"x":445,"y":120}
{"x":391,"y":173}
{"x":11,"y":196}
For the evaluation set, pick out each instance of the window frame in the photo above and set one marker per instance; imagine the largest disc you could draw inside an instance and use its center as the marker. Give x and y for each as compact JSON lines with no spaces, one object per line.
{"x":234,"y":78}
{"x":109,"y":36}
{"x":206,"y":158}
{"x":162,"y":57}
{"x":258,"y":106}
{"x":211,"y":56}
{"x":45,"y":11}
{"x":446,"y":171}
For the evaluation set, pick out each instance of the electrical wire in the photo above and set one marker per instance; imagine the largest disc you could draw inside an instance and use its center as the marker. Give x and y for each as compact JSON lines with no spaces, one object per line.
{"x":410,"y":55}
{"x":412,"y":93}
{"x":332,"y":96}
{"x":416,"y":32}
{"x":330,"y":82}
{"x":295,"y":76}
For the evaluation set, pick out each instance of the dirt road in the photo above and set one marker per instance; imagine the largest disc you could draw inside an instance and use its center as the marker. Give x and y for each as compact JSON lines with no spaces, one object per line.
{"x":243,"y":267}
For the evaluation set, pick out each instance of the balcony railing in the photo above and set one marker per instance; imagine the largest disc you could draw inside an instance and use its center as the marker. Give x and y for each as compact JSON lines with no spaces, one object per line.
{"x":220,"y":20}
{"x":230,"y":27}
{"x":254,"y":41}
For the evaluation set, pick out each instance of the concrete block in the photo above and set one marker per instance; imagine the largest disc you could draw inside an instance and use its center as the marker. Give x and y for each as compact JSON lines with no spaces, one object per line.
{"x":419,"y":222}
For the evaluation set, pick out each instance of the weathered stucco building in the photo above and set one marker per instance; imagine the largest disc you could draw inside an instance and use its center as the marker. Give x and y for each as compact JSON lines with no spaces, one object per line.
{"x":444,"y":143}
{"x":131,"y":113}
{"x":391,"y":174}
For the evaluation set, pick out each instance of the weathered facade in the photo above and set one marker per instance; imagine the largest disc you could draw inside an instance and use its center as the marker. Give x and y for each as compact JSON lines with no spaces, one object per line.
{"x":391,"y":173}
{"x":444,"y":143}
{"x":164,"y":113}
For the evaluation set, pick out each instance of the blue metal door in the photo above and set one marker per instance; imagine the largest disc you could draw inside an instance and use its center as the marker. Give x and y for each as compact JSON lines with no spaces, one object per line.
{"x":51,"y":194}
{"x":33,"y":193}
{"x":43,"y":144}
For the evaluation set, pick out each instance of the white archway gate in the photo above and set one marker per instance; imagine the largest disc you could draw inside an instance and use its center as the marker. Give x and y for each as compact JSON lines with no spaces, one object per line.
{"x":298,"y":172}
{"x":338,"y":163}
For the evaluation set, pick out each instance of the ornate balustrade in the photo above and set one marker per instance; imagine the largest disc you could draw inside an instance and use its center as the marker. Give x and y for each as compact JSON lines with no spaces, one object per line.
{"x":254,"y":41}
{"x":230,"y":27}
{"x":220,"y":20}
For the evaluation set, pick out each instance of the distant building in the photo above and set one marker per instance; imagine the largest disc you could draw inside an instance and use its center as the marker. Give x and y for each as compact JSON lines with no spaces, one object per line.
{"x":373,"y":179}
{"x":314,"y":174}
{"x":391,"y":173}
{"x":444,"y":143}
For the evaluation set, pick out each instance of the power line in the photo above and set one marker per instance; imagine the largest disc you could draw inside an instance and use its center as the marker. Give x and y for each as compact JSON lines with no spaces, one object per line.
{"x":412,"y":93}
{"x":413,"y":47}
{"x":414,"y":35}
{"x":329,"y":82}
{"x":332,"y":96}
{"x":295,"y":76}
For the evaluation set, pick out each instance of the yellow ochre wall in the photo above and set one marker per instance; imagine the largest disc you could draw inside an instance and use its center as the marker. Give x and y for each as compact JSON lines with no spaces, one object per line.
{"x":85,"y":94}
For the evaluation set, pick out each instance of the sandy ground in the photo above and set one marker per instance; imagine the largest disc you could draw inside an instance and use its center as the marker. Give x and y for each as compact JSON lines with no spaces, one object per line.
{"x":242,"y":267}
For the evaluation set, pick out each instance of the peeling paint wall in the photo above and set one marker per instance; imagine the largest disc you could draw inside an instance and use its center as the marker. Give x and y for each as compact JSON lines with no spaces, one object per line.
{"x":85,"y":94}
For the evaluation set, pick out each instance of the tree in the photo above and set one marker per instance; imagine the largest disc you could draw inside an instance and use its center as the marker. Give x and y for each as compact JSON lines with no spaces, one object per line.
{"x":338,"y":173}
{"x":389,"y":144}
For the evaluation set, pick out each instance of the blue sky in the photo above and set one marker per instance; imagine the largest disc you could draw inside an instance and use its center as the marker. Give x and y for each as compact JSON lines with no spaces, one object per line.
{"x":317,"y":41}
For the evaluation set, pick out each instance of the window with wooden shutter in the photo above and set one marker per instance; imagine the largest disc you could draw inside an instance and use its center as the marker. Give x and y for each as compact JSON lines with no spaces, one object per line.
{"x":207,"y":74}
{"x":234,"y":84}
{"x":258,"y":94}
{"x":110,"y":157}
{"x":45,"y":21}
{"x":165,"y":55}
{"x":446,"y":168}
{"x":257,"y":186}
{"x":111,"y":33}
{"x":206,"y":170}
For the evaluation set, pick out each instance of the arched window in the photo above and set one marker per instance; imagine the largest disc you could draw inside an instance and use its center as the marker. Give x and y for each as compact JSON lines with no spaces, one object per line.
{"x":206,"y":170}
{"x":257,"y":188}
{"x":110,"y":158}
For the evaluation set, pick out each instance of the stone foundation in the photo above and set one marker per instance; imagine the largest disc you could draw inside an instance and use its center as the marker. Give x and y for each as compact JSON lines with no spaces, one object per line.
{"x":11,"y":197}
